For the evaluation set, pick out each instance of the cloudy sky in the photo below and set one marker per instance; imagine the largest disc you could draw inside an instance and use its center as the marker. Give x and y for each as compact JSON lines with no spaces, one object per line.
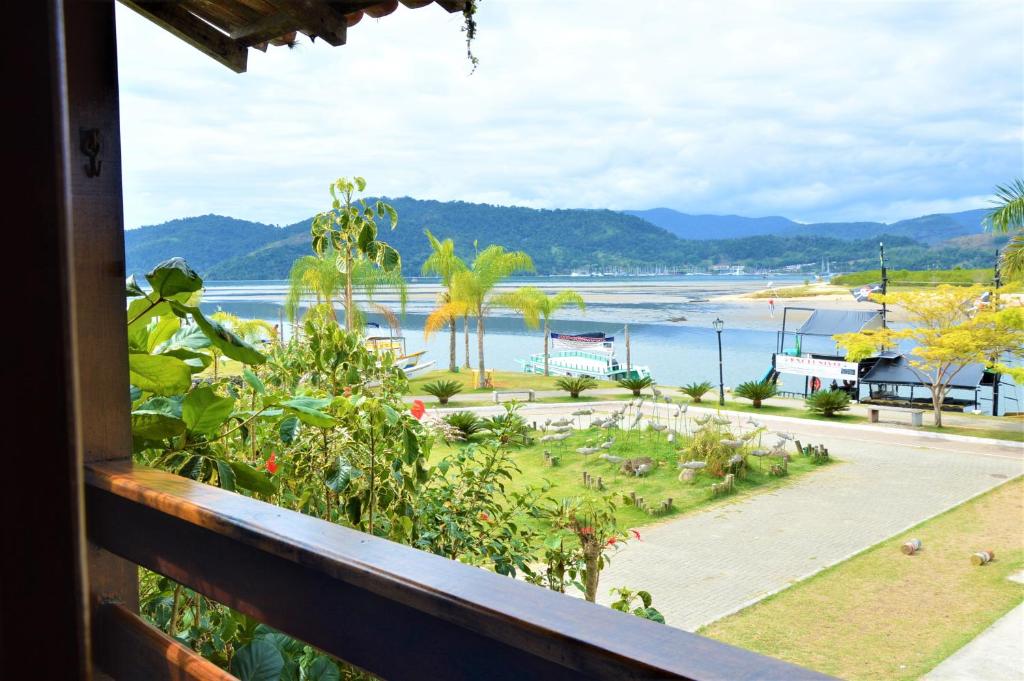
{"x":814,"y":110}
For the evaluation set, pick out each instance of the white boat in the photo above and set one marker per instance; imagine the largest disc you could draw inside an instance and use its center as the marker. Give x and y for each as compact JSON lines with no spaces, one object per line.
{"x":585,"y":354}
{"x":409,"y":362}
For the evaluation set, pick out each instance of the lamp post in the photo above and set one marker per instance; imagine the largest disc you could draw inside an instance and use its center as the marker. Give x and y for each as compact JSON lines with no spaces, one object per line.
{"x":719,"y":325}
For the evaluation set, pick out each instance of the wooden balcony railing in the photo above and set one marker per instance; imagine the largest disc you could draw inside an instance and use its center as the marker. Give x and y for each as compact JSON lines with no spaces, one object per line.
{"x":387,"y":608}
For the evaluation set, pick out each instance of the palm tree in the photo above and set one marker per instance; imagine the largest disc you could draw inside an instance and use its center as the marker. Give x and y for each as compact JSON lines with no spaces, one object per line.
{"x":249,"y":330}
{"x":472,"y":293}
{"x":318,"y":277}
{"x":535,"y":305}
{"x":1008,"y":216}
{"x":443,"y":262}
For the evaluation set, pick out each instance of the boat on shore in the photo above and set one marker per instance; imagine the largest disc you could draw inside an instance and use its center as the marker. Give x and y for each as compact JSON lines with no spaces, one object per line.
{"x":410,"y":362}
{"x":583,"y":354}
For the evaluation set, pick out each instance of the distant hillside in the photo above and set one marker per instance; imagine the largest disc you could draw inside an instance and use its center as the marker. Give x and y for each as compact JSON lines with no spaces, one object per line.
{"x":929,"y":229}
{"x":559,"y":241}
{"x":708,"y":227}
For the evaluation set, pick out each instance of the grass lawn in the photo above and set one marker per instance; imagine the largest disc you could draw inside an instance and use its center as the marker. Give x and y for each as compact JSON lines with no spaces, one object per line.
{"x":884,"y":615}
{"x":503,"y":380}
{"x":566,"y":479}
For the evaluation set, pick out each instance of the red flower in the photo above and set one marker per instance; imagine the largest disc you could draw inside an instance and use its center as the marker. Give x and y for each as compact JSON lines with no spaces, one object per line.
{"x":347,"y":391}
{"x":587,"y":530}
{"x":636,"y":533}
{"x":611,"y":541}
{"x":417,"y":409}
{"x":272,"y":463}
{"x":484,"y":517}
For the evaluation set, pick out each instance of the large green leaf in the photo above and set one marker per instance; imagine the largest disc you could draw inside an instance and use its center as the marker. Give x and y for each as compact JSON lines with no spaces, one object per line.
{"x":155,"y":425}
{"x":164,"y":328}
{"x":288,"y":429}
{"x":323,"y":669}
{"x":204,"y":410}
{"x":132,"y":288}
{"x":307,"y":409}
{"x":159,"y":374}
{"x":226,"y":341}
{"x":251,"y":479}
{"x":253,"y":380}
{"x":225,"y":475}
{"x":196,"y":360}
{"x":189,"y":337}
{"x":173,"y":276}
{"x":340,"y":475}
{"x":387,"y":257}
{"x":258,"y":660}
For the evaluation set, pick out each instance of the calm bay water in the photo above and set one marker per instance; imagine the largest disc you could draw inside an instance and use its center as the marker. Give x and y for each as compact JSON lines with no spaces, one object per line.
{"x":675,"y":351}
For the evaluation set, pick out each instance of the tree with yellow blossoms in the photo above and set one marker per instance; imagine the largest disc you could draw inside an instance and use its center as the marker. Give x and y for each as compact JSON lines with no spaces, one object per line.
{"x":950,"y":329}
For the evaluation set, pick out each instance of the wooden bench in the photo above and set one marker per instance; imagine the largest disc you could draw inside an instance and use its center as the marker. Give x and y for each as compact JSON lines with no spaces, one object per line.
{"x":531,"y":396}
{"x":916,"y":415}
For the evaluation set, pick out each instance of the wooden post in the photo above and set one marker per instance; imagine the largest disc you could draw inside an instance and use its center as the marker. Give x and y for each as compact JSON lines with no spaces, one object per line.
{"x":628,"y":361}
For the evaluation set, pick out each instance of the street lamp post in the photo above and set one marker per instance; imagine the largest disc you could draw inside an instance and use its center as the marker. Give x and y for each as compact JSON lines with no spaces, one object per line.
{"x":719,"y":325}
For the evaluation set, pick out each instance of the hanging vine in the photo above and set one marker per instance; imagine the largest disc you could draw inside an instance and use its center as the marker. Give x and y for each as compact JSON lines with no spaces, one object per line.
{"x":469,"y":28}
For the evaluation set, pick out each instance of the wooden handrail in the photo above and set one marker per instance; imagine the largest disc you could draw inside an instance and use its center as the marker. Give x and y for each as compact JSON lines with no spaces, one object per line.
{"x":390,"y":609}
{"x":127,"y":647}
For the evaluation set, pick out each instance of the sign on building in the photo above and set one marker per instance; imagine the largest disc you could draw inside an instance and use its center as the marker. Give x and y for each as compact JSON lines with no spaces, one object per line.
{"x":812,"y":366}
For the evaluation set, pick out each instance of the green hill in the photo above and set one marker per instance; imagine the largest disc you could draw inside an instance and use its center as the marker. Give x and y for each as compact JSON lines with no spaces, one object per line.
{"x":559,"y":241}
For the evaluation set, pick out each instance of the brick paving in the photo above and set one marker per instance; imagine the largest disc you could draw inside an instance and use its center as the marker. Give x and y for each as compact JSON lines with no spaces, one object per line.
{"x":709,"y":564}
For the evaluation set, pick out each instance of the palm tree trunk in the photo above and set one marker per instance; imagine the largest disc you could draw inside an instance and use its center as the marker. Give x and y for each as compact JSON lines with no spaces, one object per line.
{"x":481,"y":380}
{"x":453,"y":363}
{"x":546,"y":335}
{"x":465,"y":338}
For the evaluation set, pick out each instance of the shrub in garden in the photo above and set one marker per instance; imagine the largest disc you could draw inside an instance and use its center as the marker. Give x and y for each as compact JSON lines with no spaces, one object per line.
{"x":636,"y":384}
{"x":627,"y":603}
{"x":696,"y":390}
{"x":466,"y":422}
{"x":756,"y":391}
{"x":443,"y":390}
{"x":574,"y":385}
{"x":707,"y":446}
{"x":828,"y":402}
{"x":509,"y":429}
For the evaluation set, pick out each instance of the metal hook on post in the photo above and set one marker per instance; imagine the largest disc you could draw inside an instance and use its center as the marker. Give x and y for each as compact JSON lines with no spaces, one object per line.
{"x":89,"y":143}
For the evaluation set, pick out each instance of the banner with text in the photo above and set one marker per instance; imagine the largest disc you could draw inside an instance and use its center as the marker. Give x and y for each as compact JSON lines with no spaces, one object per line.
{"x":811,"y":366}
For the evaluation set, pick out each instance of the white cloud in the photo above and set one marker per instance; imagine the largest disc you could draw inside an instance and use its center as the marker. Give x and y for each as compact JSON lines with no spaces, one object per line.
{"x":814,"y":110}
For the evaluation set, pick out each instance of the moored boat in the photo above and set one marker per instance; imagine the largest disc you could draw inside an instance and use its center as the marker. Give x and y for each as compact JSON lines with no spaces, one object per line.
{"x":584,"y":354}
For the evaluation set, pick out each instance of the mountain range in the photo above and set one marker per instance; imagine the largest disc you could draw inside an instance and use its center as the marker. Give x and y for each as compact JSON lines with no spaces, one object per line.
{"x":565,"y":240}
{"x":929,"y":229}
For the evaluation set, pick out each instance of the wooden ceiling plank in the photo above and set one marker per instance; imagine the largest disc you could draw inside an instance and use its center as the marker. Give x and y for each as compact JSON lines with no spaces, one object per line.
{"x":262,"y":30}
{"x":382,"y":9}
{"x":416,"y":4}
{"x":193,"y":30}
{"x":316,"y":19}
{"x":452,"y":5}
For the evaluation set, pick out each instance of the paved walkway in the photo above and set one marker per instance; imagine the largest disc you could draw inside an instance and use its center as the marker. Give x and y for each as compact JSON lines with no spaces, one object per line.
{"x":709,"y":564}
{"x":997,"y":654}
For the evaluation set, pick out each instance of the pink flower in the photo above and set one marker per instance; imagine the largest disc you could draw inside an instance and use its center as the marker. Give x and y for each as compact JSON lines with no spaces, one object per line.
{"x":587,"y":530}
{"x":636,"y":534}
{"x":611,"y":541}
{"x":417,"y":409}
{"x":272,"y":463}
{"x":484,"y":517}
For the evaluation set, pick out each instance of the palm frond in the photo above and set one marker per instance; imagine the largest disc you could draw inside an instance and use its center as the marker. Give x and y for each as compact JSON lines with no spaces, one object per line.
{"x":1008,"y":213}
{"x":1011,"y":261}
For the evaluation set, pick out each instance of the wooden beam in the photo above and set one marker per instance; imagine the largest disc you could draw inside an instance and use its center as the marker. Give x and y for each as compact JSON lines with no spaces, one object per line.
{"x":452,"y":5}
{"x":361,"y":598}
{"x":131,"y":648}
{"x":194,"y":31}
{"x":267,"y":28}
{"x":316,"y":19}
{"x":44,"y":627}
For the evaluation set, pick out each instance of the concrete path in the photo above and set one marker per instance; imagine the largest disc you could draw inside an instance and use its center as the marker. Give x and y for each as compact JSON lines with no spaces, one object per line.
{"x":997,"y":654}
{"x":709,"y":564}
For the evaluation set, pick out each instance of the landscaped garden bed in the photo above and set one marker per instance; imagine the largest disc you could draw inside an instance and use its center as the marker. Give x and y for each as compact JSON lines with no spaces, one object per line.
{"x":558,"y":466}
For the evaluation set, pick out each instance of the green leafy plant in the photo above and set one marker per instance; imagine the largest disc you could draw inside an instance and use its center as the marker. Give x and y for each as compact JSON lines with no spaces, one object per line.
{"x":828,"y":402}
{"x":696,"y":390}
{"x":636,"y":384}
{"x":574,"y":385}
{"x":442,"y":390}
{"x":466,"y":422}
{"x":509,"y":429}
{"x":756,"y":391}
{"x":627,"y":602}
